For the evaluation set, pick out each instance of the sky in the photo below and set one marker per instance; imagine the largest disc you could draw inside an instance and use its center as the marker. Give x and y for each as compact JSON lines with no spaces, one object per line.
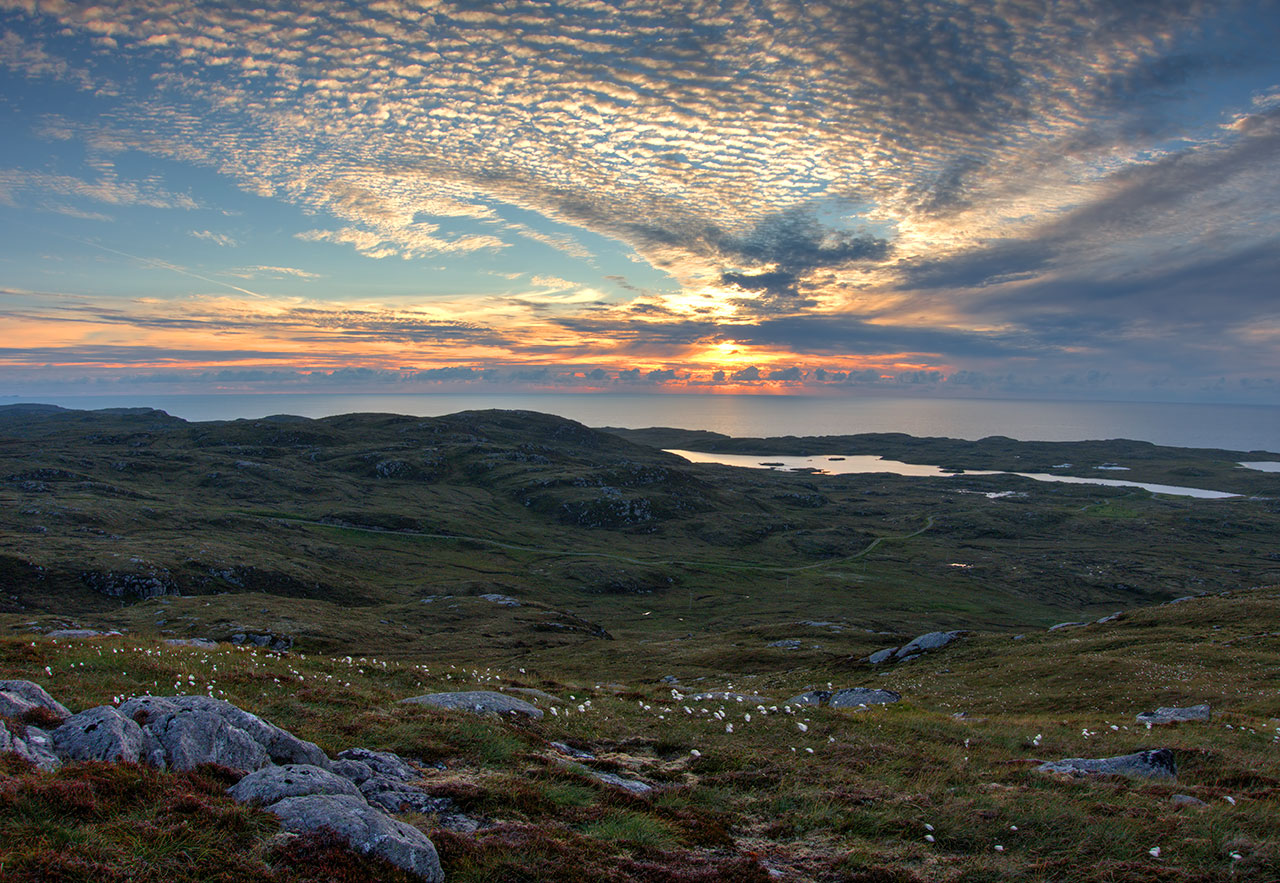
{"x":1074,"y":199}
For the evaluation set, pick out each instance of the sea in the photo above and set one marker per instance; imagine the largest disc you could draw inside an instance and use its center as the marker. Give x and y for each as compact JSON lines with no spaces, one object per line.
{"x":1231,"y":427}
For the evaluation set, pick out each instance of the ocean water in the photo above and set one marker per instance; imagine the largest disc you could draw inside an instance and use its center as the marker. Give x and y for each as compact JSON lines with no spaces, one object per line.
{"x":1232,"y":427}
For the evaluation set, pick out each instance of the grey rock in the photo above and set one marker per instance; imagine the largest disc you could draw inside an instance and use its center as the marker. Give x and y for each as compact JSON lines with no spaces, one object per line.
{"x":144,"y":709}
{"x":101,"y":733}
{"x":500,"y":600}
{"x":570,"y":751}
{"x":270,"y":784}
{"x":365,"y":828}
{"x":353,"y":770}
{"x":1154,"y":764}
{"x":1112,"y":618}
{"x":37,"y":747}
{"x":929,"y":641}
{"x":853,"y":697}
{"x":480,"y":702}
{"x":80,"y":633}
{"x":19,"y":697}
{"x":395,"y":795}
{"x":6,"y":739}
{"x":882,"y":655}
{"x":281,"y":745}
{"x":787,"y":644}
{"x":204,"y":643}
{"x":811,"y":697}
{"x":189,"y":737}
{"x":1186,"y":800}
{"x":634,"y":786}
{"x":382,"y":763}
{"x":1066,"y":625}
{"x":1174,"y":715}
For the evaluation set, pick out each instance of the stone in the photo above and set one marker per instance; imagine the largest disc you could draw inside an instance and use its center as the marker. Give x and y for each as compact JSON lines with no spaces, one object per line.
{"x":811,"y":697}
{"x":570,"y":751}
{"x":19,"y":697}
{"x":37,"y":747}
{"x":6,"y":739}
{"x":204,"y":643}
{"x":1174,"y":715}
{"x":480,"y":702}
{"x":281,"y":745}
{"x":353,"y":770}
{"x":1186,"y":800}
{"x":1112,"y":618}
{"x":382,"y":763}
{"x":853,"y":697}
{"x":1066,"y":625}
{"x":882,"y":655}
{"x":395,"y":795}
{"x":786,"y":644}
{"x":100,"y":733}
{"x":80,"y":633}
{"x":633,"y":786}
{"x":929,"y":641}
{"x":271,"y":784}
{"x":1154,"y":764}
{"x":364,"y":828}
{"x":189,"y":737}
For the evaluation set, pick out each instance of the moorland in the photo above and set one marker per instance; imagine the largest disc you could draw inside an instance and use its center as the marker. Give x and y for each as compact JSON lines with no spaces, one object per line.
{"x":375,"y":556}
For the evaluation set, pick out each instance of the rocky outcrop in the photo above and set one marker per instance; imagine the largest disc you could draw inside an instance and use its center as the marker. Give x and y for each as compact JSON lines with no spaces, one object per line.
{"x":480,"y":702}
{"x":365,"y":828}
{"x":928,"y":641}
{"x":185,"y":738}
{"x":382,"y":763}
{"x":1175,"y":715}
{"x":1154,"y":764}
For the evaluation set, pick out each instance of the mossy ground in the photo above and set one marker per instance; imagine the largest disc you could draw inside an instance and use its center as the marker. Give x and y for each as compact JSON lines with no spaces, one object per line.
{"x":813,"y":794}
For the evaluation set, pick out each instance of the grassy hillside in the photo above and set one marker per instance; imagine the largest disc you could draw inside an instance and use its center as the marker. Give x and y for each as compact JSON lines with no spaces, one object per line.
{"x":817,"y":794}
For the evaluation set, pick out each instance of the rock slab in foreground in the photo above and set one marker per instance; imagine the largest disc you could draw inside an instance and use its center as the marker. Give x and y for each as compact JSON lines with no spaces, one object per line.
{"x":366,"y":829}
{"x":1154,"y":764}
{"x":930,"y":641}
{"x":1174,"y":715}
{"x":480,"y":702}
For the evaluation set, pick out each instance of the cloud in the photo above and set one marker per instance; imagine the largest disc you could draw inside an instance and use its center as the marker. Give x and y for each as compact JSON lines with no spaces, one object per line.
{"x":219,"y":239}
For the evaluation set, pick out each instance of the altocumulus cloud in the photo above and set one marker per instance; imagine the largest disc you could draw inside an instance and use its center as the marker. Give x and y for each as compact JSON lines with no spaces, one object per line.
{"x":967,"y":181}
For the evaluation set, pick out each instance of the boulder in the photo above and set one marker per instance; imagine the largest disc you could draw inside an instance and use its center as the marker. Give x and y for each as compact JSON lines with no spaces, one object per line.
{"x":382,"y":763}
{"x":882,"y":655}
{"x":19,"y":697}
{"x":189,"y":737}
{"x":80,"y":633}
{"x":353,"y":770}
{"x":633,"y":786}
{"x":396,"y":795}
{"x":366,"y":829}
{"x":204,"y":643}
{"x":1066,"y":625}
{"x":1173,"y":715}
{"x":853,"y":697}
{"x":100,"y":733}
{"x":1154,"y":764}
{"x":929,"y":641}
{"x":811,"y":697}
{"x":270,"y":784}
{"x":480,"y":702}
{"x":1186,"y":800}
{"x":6,"y":739}
{"x":281,"y":745}
{"x":786,"y":644}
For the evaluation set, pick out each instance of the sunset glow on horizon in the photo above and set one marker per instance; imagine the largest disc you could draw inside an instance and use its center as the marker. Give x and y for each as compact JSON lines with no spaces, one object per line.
{"x":1075,"y":199}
